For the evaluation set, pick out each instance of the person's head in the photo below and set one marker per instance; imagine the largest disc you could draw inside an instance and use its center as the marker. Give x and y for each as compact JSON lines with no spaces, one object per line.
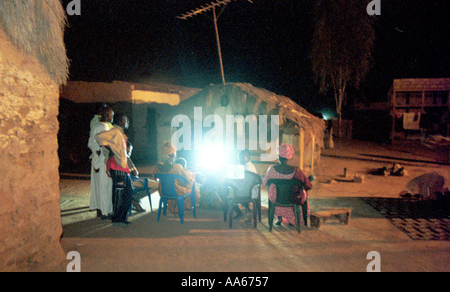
{"x":168,"y":153}
{"x":121,"y":120}
{"x":244,"y":156}
{"x":129,"y":148}
{"x":181,"y":161}
{"x":285,"y":152}
{"x":99,"y":107}
{"x":107,"y":114}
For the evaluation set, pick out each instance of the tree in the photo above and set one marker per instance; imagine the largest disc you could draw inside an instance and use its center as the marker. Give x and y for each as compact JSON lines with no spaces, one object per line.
{"x":342,"y":46}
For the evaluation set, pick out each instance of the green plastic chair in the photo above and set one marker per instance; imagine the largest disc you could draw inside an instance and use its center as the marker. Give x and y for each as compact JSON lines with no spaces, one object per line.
{"x":242,"y":190}
{"x":285,"y":189}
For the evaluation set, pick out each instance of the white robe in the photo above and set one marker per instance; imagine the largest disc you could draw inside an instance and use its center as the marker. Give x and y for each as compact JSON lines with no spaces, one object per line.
{"x":101,"y":183}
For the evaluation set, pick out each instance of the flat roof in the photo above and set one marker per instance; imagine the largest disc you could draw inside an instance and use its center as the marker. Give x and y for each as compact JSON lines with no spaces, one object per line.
{"x":421,"y":84}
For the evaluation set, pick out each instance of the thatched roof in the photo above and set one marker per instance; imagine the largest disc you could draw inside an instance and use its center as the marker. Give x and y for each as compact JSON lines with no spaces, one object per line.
{"x":245,"y":99}
{"x":37,"y":28}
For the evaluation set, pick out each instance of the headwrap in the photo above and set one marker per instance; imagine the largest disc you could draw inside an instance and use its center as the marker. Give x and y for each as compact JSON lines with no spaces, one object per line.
{"x":285,"y":151}
{"x":167,"y":149}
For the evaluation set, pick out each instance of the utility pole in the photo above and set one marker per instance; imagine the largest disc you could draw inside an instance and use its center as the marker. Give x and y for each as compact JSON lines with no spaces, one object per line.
{"x":212,"y":6}
{"x":218,"y":43}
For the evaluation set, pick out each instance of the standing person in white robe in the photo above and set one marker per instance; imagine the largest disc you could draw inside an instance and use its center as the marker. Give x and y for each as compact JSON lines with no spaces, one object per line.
{"x":101,"y":183}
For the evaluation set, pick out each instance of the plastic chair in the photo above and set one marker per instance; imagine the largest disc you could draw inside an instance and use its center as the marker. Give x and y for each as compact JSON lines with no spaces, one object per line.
{"x":285,"y":189}
{"x":144,"y":181}
{"x":242,"y":190}
{"x":167,"y":181}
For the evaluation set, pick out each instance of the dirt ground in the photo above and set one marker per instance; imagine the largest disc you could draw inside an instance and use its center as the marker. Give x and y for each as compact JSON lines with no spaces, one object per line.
{"x":206,"y":244}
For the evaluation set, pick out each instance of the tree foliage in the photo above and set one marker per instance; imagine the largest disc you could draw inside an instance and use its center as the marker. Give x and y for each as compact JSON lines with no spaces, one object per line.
{"x":342,"y":46}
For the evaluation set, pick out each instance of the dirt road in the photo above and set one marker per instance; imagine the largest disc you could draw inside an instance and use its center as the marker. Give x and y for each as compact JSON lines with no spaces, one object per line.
{"x":207,"y":244}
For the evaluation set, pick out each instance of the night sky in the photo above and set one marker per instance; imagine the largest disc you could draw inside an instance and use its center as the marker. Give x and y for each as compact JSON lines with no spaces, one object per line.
{"x":265,"y":43}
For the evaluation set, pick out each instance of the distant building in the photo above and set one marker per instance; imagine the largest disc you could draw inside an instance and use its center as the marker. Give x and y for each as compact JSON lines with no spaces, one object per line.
{"x":414,"y":107}
{"x":419,"y":105}
{"x":297,"y":126}
{"x":142,"y":103}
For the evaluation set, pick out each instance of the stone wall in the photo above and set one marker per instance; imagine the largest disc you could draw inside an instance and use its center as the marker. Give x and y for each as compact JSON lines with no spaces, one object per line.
{"x":30,"y":222}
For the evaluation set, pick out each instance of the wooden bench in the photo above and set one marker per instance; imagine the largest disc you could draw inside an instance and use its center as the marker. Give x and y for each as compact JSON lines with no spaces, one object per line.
{"x":320,"y":217}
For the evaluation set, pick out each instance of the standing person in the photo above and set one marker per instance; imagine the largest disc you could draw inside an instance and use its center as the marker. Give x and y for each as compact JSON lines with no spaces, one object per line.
{"x":328,"y":135}
{"x":97,"y":116}
{"x":101,"y":183}
{"x":284,"y":171}
{"x":117,"y":166}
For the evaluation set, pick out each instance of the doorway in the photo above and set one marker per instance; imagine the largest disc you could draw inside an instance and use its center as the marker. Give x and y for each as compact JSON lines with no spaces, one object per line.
{"x":152,"y":136}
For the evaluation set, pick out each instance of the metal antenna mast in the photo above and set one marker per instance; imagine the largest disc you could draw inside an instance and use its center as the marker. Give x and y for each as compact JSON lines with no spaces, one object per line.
{"x":212,"y":6}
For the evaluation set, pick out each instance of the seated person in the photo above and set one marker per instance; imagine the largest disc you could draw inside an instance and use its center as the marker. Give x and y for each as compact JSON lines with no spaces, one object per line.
{"x":240,"y":186}
{"x":196,"y":177}
{"x":168,"y":166}
{"x":138,"y":183}
{"x":244,"y":159}
{"x":285,"y":171}
{"x":427,"y":186}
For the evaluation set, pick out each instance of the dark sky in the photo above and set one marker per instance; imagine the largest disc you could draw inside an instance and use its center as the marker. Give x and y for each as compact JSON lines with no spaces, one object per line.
{"x":265,"y":43}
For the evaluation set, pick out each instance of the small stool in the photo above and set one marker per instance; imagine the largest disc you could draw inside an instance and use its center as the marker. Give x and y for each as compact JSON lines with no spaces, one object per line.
{"x":320,"y":217}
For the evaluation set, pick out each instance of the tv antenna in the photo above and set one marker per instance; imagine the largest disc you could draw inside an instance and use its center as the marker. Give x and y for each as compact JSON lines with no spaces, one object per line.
{"x":212,"y":6}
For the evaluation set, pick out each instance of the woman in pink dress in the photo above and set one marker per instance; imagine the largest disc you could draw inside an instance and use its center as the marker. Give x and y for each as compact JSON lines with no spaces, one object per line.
{"x":284,"y":171}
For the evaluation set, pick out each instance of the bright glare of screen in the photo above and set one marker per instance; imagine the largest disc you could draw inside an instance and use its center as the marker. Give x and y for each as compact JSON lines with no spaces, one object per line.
{"x":212,"y":157}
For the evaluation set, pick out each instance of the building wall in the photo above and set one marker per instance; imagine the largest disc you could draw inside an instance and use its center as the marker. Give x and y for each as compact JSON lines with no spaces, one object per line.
{"x":421,"y":84}
{"x":424,"y":100}
{"x":30,"y":222}
{"x":118,"y":91}
{"x":91,"y":92}
{"x":143,"y":96}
